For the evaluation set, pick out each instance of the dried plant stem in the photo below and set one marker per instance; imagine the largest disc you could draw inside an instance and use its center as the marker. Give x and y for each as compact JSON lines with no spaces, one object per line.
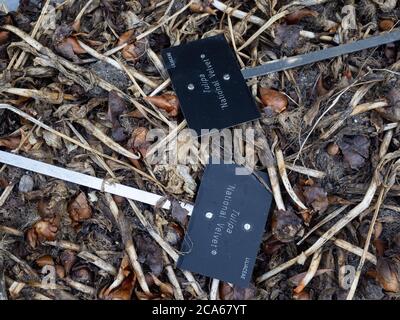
{"x":98,"y":262}
{"x":267,"y":159}
{"x":356,"y":110}
{"x":132,"y":252}
{"x":7,"y":191}
{"x":334,"y":102}
{"x":11,"y":231}
{"x":48,"y":96}
{"x":328,"y":218}
{"x":302,"y":257}
{"x":168,"y":267}
{"x":172,"y":278}
{"x":80,"y":287}
{"x":167,"y":139}
{"x":353,"y":249}
{"x":267,"y":24}
{"x":364,"y":107}
{"x":22,"y":57}
{"x":354,"y":284}
{"x":164,"y":21}
{"x":3,"y":289}
{"x":196,"y":287}
{"x":306,"y":171}
{"x":80,"y":75}
{"x":387,"y":138}
{"x":25,"y":266}
{"x":82,"y":145}
{"x":363,"y":205}
{"x":214,"y":289}
{"x":237,"y":13}
{"x":312,"y":269}
{"x":93,"y":130}
{"x":355,"y":212}
{"x":115,"y":64}
{"x":282,"y":171}
{"x":82,"y":12}
{"x":161,"y":87}
{"x":150,"y":229}
{"x":65,"y":245}
{"x":306,"y":3}
{"x":128,"y":242}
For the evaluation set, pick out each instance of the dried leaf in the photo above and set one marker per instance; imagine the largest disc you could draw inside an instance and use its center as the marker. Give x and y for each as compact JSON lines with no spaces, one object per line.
{"x":76,"y":47}
{"x":386,"y":5}
{"x":271,"y":246}
{"x":387,"y":274}
{"x":60,"y":271}
{"x":228,"y":292}
{"x":202,"y":7}
{"x":285,"y":225}
{"x":4,"y":37}
{"x":138,"y":140}
{"x":134,"y":51}
{"x":178,"y":213}
{"x":288,"y":36}
{"x":82,"y":274}
{"x":46,"y":260}
{"x":274,"y":99}
{"x":116,"y":107}
{"x":52,"y":139}
{"x":296,"y":279}
{"x":321,"y":89}
{"x":126,"y":37}
{"x":303,"y":295}
{"x":296,"y":16}
{"x":79,"y":209}
{"x":10,"y":143}
{"x":43,"y":230}
{"x":168,"y":102}
{"x":355,"y":150}
{"x":149,"y":253}
{"x":392,"y":113}
{"x":316,"y":197}
{"x":173,"y":233}
{"x":68,"y":259}
{"x":386,"y":24}
{"x":166,"y":289}
{"x":123,"y":292}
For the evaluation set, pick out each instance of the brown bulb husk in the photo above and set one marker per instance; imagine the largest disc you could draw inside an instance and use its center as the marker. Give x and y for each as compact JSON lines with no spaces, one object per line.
{"x":387,"y":274}
{"x":274,"y":99}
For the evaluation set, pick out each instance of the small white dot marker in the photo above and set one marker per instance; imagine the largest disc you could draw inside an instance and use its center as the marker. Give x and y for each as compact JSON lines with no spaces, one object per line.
{"x":247,"y":226}
{"x":227,"y":77}
{"x":209,"y":215}
{"x":191,"y":86}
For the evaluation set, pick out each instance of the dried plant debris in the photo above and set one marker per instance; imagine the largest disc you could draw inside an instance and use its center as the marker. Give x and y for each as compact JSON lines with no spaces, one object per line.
{"x":83,"y":86}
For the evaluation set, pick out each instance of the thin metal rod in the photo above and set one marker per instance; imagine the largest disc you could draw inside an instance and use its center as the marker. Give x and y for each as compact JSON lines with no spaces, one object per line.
{"x":85,"y":180}
{"x":301,"y":60}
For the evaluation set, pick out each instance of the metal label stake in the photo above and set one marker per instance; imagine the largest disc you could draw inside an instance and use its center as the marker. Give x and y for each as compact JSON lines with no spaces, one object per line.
{"x":85,"y":180}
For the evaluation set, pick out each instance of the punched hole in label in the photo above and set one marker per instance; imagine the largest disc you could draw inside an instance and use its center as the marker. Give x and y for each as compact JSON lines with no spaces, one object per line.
{"x":190,"y":86}
{"x":247,"y":226}
{"x":209,"y":215}
{"x":227,"y":76}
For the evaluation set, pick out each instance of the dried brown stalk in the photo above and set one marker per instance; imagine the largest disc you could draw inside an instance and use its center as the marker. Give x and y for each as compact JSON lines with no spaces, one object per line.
{"x":312,"y":269}
{"x":282,"y":171}
{"x":128,"y":241}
